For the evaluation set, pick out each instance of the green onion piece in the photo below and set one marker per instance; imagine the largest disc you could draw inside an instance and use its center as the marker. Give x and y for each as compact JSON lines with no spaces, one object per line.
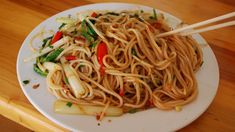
{"x":201,"y":63}
{"x":84,"y":32}
{"x":26,"y":82}
{"x":74,"y":32}
{"x":62,"y":25}
{"x":66,"y":80}
{"x":69,"y":104}
{"x":80,"y":66}
{"x":151,"y":17}
{"x":50,"y":46}
{"x":133,"y":52}
{"x":141,"y":11}
{"x":88,"y":32}
{"x":92,"y":21}
{"x":93,"y":45}
{"x":45,"y":41}
{"x":112,"y":13}
{"x":53,"y":55}
{"x":132,"y":111}
{"x":91,"y":31}
{"x":154,"y":14}
{"x":37,"y":70}
{"x":159,"y":82}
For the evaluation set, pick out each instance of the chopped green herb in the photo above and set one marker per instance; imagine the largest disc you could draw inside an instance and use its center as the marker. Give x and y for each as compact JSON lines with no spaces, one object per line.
{"x":201,"y":63}
{"x":26,"y":82}
{"x":88,"y":32}
{"x":66,"y":80}
{"x":93,"y":45}
{"x":154,"y":14}
{"x":91,"y":31}
{"x":106,"y":19}
{"x":112,"y":13}
{"x":69,"y":104}
{"x":50,"y":46}
{"x":141,"y":11}
{"x":84,"y":32}
{"x":74,"y":32}
{"x":37,"y":70}
{"x":92,"y":21}
{"x":53,"y":55}
{"x":41,"y":58}
{"x":132,"y":111}
{"x":45,"y":41}
{"x":151,"y":17}
{"x":62,"y":25}
{"x":80,"y":66}
{"x":159,"y":82}
{"x":133,"y":52}
{"x":136,"y":15}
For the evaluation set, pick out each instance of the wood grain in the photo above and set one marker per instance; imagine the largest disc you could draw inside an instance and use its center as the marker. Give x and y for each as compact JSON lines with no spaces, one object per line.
{"x":19,"y":17}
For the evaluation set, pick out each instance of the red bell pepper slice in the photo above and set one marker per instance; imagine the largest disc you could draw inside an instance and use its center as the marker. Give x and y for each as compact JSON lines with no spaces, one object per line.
{"x":121,"y":92}
{"x":93,"y":14}
{"x":56,"y":37}
{"x":102,"y":50}
{"x":70,"y":57}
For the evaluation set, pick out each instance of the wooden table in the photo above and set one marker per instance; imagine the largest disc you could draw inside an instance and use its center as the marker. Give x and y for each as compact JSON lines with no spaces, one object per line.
{"x":19,"y":17}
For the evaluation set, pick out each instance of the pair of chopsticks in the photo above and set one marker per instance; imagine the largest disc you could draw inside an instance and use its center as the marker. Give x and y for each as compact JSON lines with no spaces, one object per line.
{"x":213,"y":27}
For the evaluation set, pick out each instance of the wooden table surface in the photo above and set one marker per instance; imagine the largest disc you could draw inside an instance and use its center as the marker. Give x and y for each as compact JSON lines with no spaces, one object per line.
{"x":19,"y":17}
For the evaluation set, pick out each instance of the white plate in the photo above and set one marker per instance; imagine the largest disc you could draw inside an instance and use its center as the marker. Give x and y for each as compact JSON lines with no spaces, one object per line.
{"x":147,"y":121}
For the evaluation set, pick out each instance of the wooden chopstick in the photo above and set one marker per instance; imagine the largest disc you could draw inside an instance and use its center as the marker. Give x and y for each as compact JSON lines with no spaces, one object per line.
{"x":226,"y":24}
{"x":219,"y":18}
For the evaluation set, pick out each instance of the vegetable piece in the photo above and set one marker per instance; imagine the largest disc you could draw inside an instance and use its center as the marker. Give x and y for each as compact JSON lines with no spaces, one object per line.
{"x":201,"y":64}
{"x":37,"y":70}
{"x":65,"y":20}
{"x":66,"y":80}
{"x":47,"y":49}
{"x":84,"y":32}
{"x":61,"y":26}
{"x":91,"y":31}
{"x":156,"y":25}
{"x":51,"y":66}
{"x":102,"y":50}
{"x":121,"y":92}
{"x":56,"y":37}
{"x":70,"y":57}
{"x":61,"y":107}
{"x":35,"y":86}
{"x":93,"y":14}
{"x":74,"y":32}
{"x":93,"y":45}
{"x":45,"y":41}
{"x":154,"y":14}
{"x":132,"y":111}
{"x":88,"y":32}
{"x":53,"y":55}
{"x":112,"y":13}
{"x":74,"y":81}
{"x":178,"y":108}
{"x":69,"y":104}
{"x":133,"y":52}
{"x":80,"y":38}
{"x":26,"y":82}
